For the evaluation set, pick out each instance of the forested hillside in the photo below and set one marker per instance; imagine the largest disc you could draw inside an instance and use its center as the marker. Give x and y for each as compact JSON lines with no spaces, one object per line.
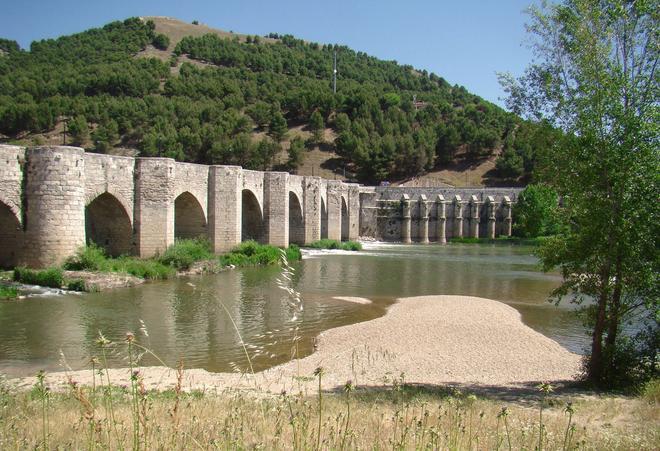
{"x":236,"y":101}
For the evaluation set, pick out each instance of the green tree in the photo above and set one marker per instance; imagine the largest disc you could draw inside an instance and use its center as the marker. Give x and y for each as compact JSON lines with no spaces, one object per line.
{"x":161,"y":41}
{"x":317,"y":126}
{"x":595,"y":77}
{"x":296,"y":151}
{"x":535,"y":212}
{"x":278,"y":126}
{"x":509,"y":164}
{"x":78,"y":130}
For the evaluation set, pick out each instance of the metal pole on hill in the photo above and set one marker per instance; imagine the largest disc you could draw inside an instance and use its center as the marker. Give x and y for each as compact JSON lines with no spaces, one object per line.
{"x":334,"y":74}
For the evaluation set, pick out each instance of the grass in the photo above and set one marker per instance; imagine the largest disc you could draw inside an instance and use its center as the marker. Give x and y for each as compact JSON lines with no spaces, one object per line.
{"x":7,"y":292}
{"x":397,"y":416}
{"x":183,"y":253}
{"x":251,"y":253}
{"x":50,"y":277}
{"x":334,"y":244}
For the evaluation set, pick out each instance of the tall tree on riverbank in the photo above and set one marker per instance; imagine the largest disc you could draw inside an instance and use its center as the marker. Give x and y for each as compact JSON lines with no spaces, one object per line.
{"x":595,"y":77}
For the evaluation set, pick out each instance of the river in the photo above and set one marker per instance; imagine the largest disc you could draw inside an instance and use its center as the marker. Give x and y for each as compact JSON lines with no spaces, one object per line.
{"x":202,"y":318}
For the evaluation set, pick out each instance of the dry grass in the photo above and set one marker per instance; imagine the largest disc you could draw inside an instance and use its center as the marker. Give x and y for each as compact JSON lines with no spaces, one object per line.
{"x":398,"y":416}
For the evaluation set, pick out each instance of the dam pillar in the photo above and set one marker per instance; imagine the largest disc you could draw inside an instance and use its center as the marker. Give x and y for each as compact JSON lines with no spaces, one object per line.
{"x":508,"y":219}
{"x":353,"y":211}
{"x":225,"y":207}
{"x":458,"y":217}
{"x":54,"y":193}
{"x":312,"y":209}
{"x":334,"y":210}
{"x":276,"y":208}
{"x":423,"y":220}
{"x":442,"y":219}
{"x":474,"y":216}
{"x":491,"y":217}
{"x":405,"y":219}
{"x":154,"y":205}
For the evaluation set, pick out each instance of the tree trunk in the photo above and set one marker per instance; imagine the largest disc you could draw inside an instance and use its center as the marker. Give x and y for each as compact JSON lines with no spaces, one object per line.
{"x":595,"y":368}
{"x":614,"y":316}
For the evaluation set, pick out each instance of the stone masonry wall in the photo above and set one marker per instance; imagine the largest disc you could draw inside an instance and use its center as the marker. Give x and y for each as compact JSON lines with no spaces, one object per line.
{"x":46,"y":191}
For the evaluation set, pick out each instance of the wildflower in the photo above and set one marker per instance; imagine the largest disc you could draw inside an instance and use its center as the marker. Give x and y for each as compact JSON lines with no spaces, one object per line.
{"x":130,"y":337}
{"x":102,"y":341}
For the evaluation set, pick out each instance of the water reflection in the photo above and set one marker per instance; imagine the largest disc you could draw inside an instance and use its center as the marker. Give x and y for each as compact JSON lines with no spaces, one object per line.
{"x":191,"y":318}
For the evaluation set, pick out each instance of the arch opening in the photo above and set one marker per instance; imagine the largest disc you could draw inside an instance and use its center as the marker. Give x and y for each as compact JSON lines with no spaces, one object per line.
{"x":189,"y":218}
{"x":296,"y":223}
{"x":252,"y":227}
{"x":324,"y":220}
{"x":108,"y":226}
{"x":11,"y":237}
{"x":344,"y":220}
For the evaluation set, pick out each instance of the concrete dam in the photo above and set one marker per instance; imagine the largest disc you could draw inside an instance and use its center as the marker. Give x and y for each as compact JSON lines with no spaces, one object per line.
{"x":54,"y":199}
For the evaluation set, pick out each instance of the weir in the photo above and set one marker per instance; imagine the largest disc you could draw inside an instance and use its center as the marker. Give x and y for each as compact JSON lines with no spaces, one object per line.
{"x":54,"y":199}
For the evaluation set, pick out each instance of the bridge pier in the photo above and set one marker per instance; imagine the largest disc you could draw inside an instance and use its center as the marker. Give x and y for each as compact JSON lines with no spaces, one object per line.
{"x":225,"y":207}
{"x":458,"y":217}
{"x":55,"y":205}
{"x":334,"y":210}
{"x":474,"y":216}
{"x":491,"y":217}
{"x":154,"y":205}
{"x":423,"y":220}
{"x":405,"y":219}
{"x":442,"y":219}
{"x":276,"y":208}
{"x":312,"y":209}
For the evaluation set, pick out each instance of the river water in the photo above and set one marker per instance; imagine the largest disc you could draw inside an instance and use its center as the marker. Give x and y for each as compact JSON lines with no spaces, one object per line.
{"x":202,"y":318}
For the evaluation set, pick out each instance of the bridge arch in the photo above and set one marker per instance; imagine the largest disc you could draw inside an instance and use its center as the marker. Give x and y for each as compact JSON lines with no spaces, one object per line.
{"x":252,"y":218}
{"x":344,"y":219}
{"x":324,"y":220}
{"x":296,"y":223}
{"x":108,"y":225}
{"x":189,"y":217}
{"x":11,"y":237}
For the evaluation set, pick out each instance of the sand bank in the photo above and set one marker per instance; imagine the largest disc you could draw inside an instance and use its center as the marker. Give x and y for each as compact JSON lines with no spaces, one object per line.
{"x":425,"y":339}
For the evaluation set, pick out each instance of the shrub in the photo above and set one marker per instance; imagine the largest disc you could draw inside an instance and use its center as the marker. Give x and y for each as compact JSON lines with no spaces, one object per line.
{"x":146,"y":269}
{"x":76,"y":285}
{"x":161,"y":41}
{"x":88,"y":258}
{"x":251,"y":253}
{"x":51,"y":277}
{"x":185,"y":252}
{"x":334,"y":244}
{"x":8,"y":292}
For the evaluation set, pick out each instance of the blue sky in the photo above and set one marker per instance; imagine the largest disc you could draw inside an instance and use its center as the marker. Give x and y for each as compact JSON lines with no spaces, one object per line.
{"x":464,"y":41}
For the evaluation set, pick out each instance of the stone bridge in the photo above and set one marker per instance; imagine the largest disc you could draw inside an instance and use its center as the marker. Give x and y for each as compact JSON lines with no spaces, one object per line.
{"x":55,"y":199}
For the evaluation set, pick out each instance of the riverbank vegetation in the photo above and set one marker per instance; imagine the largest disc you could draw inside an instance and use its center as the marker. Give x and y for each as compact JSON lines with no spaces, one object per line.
{"x":8,"y":292}
{"x":179,"y":257}
{"x":335,"y":244}
{"x":397,"y":415}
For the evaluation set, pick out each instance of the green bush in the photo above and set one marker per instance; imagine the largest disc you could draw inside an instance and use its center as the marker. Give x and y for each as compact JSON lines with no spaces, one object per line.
{"x":251,"y":253}
{"x":334,"y":244}
{"x":146,"y":269}
{"x":76,"y":285}
{"x":88,"y":258}
{"x":184,"y":253}
{"x":51,"y":277}
{"x":8,"y":292}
